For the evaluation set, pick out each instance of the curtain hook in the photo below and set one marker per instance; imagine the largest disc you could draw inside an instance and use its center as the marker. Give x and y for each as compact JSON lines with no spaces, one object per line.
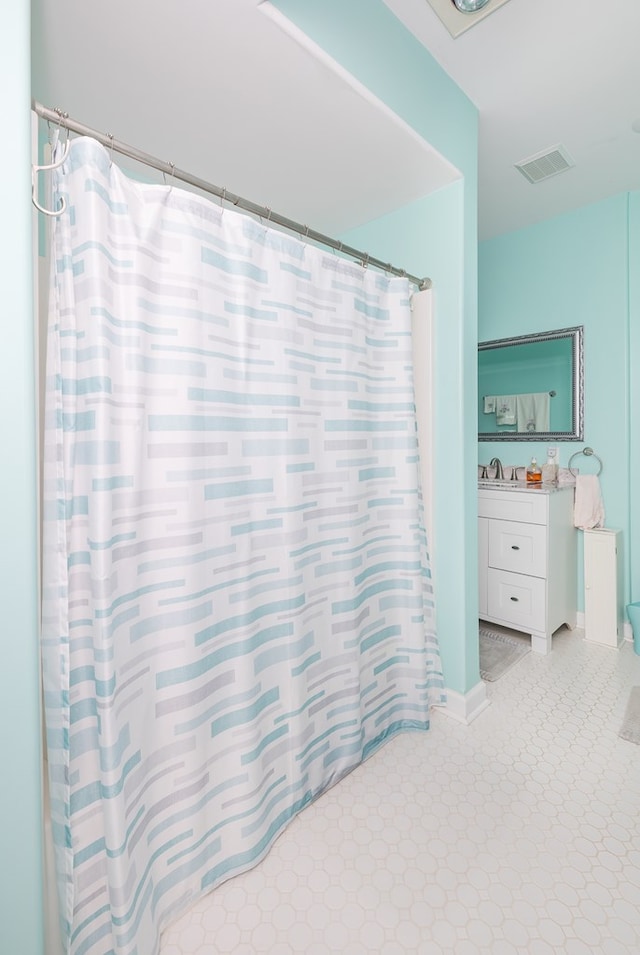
{"x":173,"y":172}
{"x":54,"y":135}
{"x":336,"y":248}
{"x":62,"y":115}
{"x":365,"y":261}
{"x":35,"y":169}
{"x":110,"y":136}
{"x":223,"y":196}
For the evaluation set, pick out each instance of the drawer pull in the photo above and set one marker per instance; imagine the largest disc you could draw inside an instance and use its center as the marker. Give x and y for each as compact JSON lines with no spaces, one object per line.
{"x":514,"y":598}
{"x":514,"y":547}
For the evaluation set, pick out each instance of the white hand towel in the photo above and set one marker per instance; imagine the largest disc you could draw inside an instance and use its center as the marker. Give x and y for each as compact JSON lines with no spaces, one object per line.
{"x":506,"y":409}
{"x":533,"y":411}
{"x":588,"y":510}
{"x":489,"y":404}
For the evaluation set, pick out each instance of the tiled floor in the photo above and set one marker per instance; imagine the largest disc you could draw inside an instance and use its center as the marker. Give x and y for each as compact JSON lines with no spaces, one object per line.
{"x":517,"y":834}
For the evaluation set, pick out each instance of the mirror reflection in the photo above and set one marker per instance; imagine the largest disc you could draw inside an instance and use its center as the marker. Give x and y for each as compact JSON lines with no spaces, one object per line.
{"x":531,"y":388}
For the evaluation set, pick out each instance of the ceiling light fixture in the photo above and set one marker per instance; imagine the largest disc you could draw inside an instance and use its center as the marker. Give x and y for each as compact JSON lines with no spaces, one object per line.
{"x":458,"y":16}
{"x":469,"y":6}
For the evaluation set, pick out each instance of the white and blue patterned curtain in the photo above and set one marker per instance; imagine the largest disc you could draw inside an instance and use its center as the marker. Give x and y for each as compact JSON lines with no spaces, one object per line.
{"x":237,"y":600}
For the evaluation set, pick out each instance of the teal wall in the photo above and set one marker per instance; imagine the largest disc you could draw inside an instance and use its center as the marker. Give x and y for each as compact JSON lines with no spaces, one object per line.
{"x":574,"y":270}
{"x":21,"y":925}
{"x":435,"y":236}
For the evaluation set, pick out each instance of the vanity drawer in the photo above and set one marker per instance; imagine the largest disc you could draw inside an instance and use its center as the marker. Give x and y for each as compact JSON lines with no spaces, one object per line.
{"x":530,"y":508}
{"x":517,"y":599}
{"x":520,"y":548}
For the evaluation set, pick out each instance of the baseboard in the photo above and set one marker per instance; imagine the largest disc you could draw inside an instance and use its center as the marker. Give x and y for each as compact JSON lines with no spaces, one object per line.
{"x":464,"y":707}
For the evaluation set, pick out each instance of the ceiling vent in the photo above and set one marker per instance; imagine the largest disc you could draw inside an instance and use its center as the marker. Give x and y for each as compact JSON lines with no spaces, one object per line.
{"x":545,"y":164}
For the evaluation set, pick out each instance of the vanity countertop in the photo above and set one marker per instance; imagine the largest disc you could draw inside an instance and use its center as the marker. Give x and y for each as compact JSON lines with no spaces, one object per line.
{"x":520,"y":486}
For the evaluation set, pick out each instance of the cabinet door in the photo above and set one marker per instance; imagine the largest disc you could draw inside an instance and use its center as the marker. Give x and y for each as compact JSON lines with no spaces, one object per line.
{"x":601,"y":587}
{"x":483,"y":562}
{"x":520,"y":548}
{"x":517,"y":599}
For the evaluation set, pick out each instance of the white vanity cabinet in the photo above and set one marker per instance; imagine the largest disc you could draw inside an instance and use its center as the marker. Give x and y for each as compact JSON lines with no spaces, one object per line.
{"x":527,"y":560}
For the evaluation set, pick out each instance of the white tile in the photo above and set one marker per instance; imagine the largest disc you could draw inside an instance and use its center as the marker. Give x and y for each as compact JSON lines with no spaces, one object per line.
{"x":513,"y":834}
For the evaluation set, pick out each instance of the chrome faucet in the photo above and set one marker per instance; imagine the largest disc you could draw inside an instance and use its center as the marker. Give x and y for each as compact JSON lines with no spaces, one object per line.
{"x":497,"y":464}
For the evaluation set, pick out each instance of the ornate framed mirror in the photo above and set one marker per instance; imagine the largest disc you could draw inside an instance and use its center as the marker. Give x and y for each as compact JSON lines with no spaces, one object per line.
{"x":531,"y":388}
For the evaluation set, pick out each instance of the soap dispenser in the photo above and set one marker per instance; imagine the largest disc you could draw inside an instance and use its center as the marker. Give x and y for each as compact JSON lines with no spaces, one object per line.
{"x":550,"y":469}
{"x":534,"y":474}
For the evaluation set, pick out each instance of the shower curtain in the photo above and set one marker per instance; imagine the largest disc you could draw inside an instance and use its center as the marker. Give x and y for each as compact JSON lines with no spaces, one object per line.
{"x":237,"y":606}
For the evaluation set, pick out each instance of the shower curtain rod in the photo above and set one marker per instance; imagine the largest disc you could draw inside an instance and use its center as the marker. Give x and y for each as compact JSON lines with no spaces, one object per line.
{"x":62,"y":119}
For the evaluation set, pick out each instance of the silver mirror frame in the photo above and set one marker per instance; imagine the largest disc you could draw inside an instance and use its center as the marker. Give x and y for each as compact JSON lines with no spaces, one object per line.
{"x":576,"y":334}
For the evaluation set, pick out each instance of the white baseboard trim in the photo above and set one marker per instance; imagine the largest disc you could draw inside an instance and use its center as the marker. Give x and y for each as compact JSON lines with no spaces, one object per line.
{"x":464,"y":707}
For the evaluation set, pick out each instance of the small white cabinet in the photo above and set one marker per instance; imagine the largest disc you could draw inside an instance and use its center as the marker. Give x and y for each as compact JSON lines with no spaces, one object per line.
{"x":603,"y":601}
{"x":527,"y":560}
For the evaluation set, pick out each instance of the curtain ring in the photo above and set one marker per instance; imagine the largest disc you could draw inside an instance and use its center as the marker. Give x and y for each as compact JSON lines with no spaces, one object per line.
{"x":365,"y":261}
{"x":54,"y":137}
{"x":173,"y":172}
{"x":62,"y":115}
{"x":336,"y":249}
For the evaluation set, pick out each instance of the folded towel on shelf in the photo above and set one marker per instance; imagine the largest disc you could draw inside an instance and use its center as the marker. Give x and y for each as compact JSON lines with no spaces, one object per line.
{"x":489,"y":404}
{"x":532,"y":411}
{"x":506,"y":409}
{"x":588,"y":509}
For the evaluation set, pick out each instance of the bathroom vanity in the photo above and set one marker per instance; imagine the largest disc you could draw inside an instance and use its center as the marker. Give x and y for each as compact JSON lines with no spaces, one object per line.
{"x":527,"y":559}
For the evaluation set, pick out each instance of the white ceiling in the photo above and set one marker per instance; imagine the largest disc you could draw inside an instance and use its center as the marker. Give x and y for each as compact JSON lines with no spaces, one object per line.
{"x":545,"y":73}
{"x":226,"y":92}
{"x":233,"y":93}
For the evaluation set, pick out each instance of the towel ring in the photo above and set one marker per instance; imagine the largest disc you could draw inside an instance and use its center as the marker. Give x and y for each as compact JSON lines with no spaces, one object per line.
{"x":588,"y":452}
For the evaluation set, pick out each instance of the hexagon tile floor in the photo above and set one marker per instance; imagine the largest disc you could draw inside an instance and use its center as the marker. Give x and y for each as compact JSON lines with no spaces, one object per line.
{"x":517,"y":834}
